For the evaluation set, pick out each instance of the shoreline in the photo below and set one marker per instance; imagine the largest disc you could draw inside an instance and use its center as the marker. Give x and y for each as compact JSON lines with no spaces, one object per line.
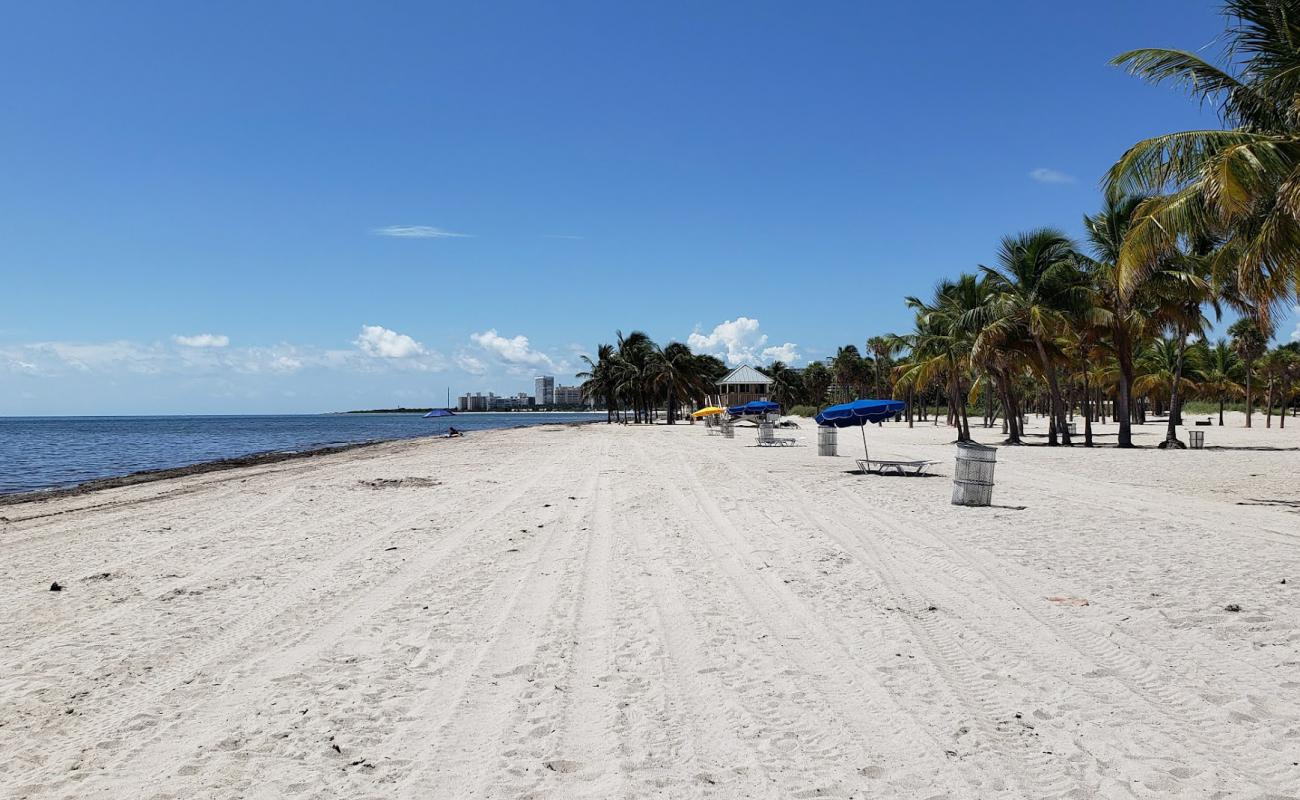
{"x":198,"y":468}
{"x":222,"y":464}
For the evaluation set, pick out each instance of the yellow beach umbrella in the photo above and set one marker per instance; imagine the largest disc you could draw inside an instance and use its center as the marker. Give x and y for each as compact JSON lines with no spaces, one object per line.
{"x":708,"y":412}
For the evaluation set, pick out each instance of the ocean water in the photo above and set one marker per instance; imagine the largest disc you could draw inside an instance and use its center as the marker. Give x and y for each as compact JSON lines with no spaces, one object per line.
{"x":55,"y":452}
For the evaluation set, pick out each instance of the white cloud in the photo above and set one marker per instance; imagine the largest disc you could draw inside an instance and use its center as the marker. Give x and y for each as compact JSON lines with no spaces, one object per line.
{"x":378,"y":350}
{"x":378,"y":341}
{"x":286,"y":364}
{"x":741,"y":341}
{"x":28,"y":367}
{"x":419,"y":232}
{"x":470,"y":364}
{"x":1295,"y":334}
{"x":514,"y":352}
{"x":786,"y":352}
{"x":100,"y":356}
{"x":202,"y":340}
{"x":1046,"y":175}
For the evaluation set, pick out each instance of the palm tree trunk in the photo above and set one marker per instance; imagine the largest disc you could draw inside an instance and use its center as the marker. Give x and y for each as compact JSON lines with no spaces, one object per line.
{"x":1123,"y":413}
{"x":1220,"y":411}
{"x":1268,"y":420}
{"x":963,"y":421}
{"x":1054,"y":399}
{"x":1171,"y":428}
{"x":1087,"y":411}
{"x":1248,"y":395}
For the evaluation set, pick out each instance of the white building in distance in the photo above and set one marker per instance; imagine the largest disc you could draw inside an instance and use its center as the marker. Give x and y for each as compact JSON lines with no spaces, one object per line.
{"x":544,"y":390}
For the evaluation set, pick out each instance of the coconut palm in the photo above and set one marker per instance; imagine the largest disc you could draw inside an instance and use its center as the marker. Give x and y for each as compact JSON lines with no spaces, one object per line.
{"x":598,"y":379}
{"x":634,"y":372}
{"x":1037,"y":286}
{"x":1220,"y":374}
{"x":1278,"y":368}
{"x":848,"y":368}
{"x":787,"y":384}
{"x":674,"y":369}
{"x":941,"y":346}
{"x":1290,"y":381}
{"x":1123,"y":310}
{"x":1165,"y":371}
{"x":817,"y":381}
{"x":1182,"y":288}
{"x":1249,"y":342}
{"x":882,"y":349}
{"x":1242,"y":183}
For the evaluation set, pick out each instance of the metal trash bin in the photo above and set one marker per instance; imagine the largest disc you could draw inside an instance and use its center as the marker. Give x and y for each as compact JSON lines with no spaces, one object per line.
{"x":972,"y":481}
{"x":1196,"y":440}
{"x":766,"y":433}
{"x":827,"y":440}
{"x":1073,"y":428}
{"x":728,"y":430}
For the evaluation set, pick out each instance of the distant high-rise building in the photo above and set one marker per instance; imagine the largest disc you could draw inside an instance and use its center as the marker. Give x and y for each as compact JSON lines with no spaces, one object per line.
{"x":544,"y":390}
{"x":568,"y":395}
{"x":475,"y":402}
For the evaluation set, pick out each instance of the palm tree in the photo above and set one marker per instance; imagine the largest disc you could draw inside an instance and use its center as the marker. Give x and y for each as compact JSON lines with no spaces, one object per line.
{"x":1290,"y":380}
{"x":599,"y":383}
{"x":847,"y":366}
{"x":634,"y":371}
{"x":1165,"y":372}
{"x":787,"y":385}
{"x":1220,"y":371}
{"x":1182,"y":288}
{"x":1123,"y":310}
{"x":674,"y":369}
{"x":817,"y":381}
{"x":1238,"y":184}
{"x":882,"y":349}
{"x":1249,"y":342}
{"x":710,"y":370}
{"x":943,"y":342}
{"x":1279,"y":368}
{"x":1037,"y":286}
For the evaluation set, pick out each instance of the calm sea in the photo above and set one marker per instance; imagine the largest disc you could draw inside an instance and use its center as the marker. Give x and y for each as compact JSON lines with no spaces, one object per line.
{"x":49,"y":452}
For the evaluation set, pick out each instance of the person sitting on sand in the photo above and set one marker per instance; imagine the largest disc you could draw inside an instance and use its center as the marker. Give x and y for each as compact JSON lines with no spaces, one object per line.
{"x":452,"y":432}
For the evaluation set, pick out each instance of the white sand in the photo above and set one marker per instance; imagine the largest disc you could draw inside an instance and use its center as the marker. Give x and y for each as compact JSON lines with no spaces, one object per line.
{"x":653,"y":612}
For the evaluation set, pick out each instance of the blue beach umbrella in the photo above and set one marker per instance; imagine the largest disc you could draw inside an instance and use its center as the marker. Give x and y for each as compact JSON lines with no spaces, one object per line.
{"x":754,"y":408}
{"x":439,"y":412}
{"x":859,"y":413}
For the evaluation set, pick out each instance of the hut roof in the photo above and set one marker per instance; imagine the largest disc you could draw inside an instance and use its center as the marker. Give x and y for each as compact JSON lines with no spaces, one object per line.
{"x":744,"y":374}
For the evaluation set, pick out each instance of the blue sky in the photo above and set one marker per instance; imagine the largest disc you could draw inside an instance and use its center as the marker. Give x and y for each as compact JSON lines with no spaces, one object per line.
{"x":197,"y":201}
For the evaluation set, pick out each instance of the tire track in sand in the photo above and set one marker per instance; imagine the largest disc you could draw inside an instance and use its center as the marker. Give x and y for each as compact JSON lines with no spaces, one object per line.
{"x":1215,"y":732}
{"x":771,"y":600}
{"x":132,"y":703}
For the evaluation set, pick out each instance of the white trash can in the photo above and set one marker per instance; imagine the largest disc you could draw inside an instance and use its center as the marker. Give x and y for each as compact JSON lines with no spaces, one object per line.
{"x":972,"y":481}
{"x":827,"y":439}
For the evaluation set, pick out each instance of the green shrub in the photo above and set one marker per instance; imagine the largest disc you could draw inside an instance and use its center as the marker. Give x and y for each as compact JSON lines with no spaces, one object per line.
{"x":803,"y":411}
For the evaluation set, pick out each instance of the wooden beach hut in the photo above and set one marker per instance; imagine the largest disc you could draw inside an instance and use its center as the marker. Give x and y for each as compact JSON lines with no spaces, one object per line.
{"x":742,"y":385}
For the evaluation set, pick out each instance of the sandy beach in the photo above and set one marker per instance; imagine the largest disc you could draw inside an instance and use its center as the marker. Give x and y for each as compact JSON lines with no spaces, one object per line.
{"x":621,"y":611}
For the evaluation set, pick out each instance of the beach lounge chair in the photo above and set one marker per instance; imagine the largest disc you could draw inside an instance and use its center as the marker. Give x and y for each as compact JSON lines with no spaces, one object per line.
{"x":778,"y":441}
{"x":881,"y":466}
